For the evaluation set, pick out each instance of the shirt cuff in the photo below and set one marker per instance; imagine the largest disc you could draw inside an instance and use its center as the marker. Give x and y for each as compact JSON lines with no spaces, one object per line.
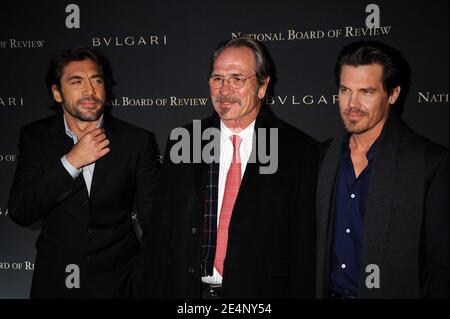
{"x":69,"y":168}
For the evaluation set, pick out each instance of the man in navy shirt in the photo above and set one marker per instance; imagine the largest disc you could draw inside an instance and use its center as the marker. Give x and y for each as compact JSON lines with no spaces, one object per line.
{"x":382,"y":197}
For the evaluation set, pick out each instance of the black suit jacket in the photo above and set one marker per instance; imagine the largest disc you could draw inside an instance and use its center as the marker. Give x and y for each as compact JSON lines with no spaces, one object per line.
{"x":271,"y":243}
{"x":93,"y":232}
{"x":406,"y":225}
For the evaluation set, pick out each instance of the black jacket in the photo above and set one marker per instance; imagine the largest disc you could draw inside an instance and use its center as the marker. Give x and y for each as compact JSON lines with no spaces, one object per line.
{"x":94,"y":233}
{"x":271,"y":243}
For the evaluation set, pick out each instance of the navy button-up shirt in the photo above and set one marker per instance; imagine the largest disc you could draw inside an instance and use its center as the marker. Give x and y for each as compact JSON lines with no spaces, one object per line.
{"x":351,"y":197}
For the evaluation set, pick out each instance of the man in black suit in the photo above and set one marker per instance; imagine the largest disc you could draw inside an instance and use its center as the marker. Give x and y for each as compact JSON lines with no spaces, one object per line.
{"x":235,"y":225}
{"x":83,"y":173}
{"x":382,"y":198}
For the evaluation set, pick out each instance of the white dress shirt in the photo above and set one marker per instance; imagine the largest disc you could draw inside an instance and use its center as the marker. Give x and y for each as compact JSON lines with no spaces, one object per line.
{"x":226,"y":156}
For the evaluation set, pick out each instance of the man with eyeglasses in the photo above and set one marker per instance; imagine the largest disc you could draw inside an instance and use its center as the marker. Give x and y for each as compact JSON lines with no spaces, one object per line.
{"x":227,"y":229}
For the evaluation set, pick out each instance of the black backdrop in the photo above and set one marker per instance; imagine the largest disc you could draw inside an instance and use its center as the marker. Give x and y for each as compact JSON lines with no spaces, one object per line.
{"x":160,"y":51}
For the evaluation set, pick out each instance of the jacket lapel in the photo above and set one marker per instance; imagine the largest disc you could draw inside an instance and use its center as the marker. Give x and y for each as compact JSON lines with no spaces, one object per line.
{"x":380,"y":195}
{"x":324,"y":207}
{"x":105,"y":163}
{"x":396,"y":186}
{"x":252,"y":169}
{"x":60,"y":143}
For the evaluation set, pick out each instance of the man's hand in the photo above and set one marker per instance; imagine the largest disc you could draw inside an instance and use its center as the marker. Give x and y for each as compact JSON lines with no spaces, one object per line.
{"x":89,"y":148}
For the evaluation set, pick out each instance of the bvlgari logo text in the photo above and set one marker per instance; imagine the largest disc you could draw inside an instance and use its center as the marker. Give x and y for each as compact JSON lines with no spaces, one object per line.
{"x":161,"y":101}
{"x":10,"y":101}
{"x":21,"y":44}
{"x":302,"y":100}
{"x":127,"y":41}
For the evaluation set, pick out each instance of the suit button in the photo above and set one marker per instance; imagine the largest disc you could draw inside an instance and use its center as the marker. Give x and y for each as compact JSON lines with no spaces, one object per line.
{"x":87,"y":257}
{"x":194,"y":230}
{"x":191,"y":270}
{"x":90,"y":231}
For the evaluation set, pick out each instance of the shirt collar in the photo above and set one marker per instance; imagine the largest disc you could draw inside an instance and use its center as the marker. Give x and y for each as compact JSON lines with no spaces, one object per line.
{"x":370,"y":153}
{"x":70,"y":133}
{"x":245,"y":134}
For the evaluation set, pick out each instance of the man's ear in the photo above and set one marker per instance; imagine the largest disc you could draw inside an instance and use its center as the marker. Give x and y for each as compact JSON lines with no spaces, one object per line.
{"x":394,"y":95}
{"x":56,"y":94}
{"x":263,"y":88}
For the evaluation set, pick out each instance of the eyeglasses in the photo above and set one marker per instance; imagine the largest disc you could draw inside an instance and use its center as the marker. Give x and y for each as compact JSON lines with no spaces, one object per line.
{"x":234,"y":81}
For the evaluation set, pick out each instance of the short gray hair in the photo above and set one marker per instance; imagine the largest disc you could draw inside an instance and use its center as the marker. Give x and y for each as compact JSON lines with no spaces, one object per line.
{"x":263,"y":66}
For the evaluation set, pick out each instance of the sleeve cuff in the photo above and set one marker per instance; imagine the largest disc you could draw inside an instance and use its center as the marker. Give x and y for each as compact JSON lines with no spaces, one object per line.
{"x":69,"y":168}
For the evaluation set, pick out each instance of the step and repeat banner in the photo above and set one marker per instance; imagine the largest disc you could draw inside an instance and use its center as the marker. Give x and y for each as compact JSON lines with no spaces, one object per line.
{"x":160,"y":52}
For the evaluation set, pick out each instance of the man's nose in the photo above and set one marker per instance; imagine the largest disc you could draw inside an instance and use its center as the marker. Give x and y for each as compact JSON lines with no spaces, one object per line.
{"x":354,"y":99}
{"x":226,"y":89}
{"x":88,"y":88}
